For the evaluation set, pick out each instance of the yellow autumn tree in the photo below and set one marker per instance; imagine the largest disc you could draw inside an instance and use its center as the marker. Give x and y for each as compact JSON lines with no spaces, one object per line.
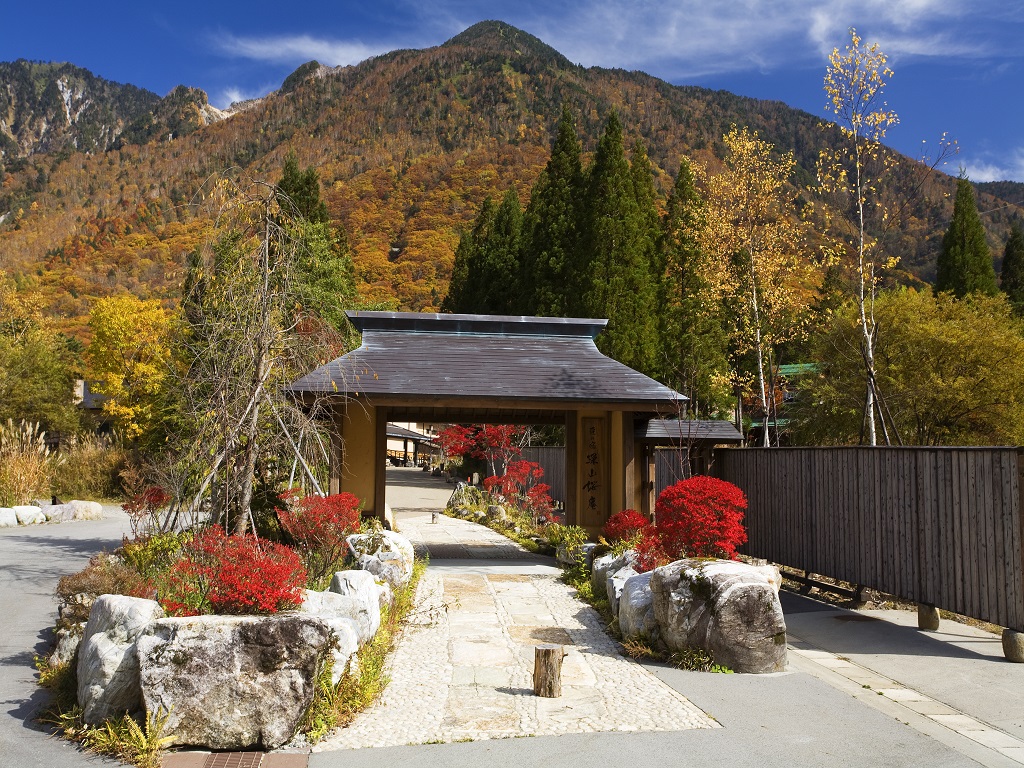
{"x":127,"y":359}
{"x":856,"y":175}
{"x":760,"y":261}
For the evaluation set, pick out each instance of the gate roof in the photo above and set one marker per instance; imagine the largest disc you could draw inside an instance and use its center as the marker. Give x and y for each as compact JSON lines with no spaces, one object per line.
{"x":432,"y":364}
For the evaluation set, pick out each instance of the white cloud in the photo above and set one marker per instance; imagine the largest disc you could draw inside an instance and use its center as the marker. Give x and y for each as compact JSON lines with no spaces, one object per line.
{"x":680,"y":39}
{"x":988,"y":168}
{"x":296,"y":49}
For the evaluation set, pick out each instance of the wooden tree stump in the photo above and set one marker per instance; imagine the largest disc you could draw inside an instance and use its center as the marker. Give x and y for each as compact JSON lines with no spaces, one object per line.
{"x":547,"y":670}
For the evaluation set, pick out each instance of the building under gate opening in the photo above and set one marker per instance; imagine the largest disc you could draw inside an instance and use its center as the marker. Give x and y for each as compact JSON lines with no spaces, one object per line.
{"x":482,"y":369}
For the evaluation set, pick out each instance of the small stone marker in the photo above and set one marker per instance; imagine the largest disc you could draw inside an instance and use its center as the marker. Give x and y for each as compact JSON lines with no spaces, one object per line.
{"x":927,"y":617}
{"x":547,"y":670}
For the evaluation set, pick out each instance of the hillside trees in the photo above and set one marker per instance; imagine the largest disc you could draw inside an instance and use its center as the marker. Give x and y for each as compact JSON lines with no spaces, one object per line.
{"x":693,"y":355}
{"x":965,"y":262}
{"x":1012,"y":273}
{"x":128,"y":360}
{"x":551,"y":225}
{"x":759,"y":250}
{"x":949,"y":368}
{"x":38,"y":365}
{"x":324,"y":276}
{"x":615,"y":272}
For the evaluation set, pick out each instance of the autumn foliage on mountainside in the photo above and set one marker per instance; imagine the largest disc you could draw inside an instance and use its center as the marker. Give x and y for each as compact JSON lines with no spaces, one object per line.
{"x":407,"y":146}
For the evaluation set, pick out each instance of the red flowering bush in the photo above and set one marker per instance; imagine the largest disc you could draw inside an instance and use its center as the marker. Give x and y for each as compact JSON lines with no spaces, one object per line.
{"x":698,"y":517}
{"x":701,"y":517}
{"x":520,"y":485}
{"x":624,"y":525}
{"x":218,"y":573}
{"x":319,"y":526}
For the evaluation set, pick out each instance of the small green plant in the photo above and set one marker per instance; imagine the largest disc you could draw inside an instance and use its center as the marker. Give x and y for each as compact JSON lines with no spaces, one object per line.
{"x":337,"y":706}
{"x":141,"y":745}
{"x":61,"y":680}
{"x":697,"y":660}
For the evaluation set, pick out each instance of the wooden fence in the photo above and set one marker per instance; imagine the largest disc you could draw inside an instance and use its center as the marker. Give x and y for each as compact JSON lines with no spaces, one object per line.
{"x":941,"y":526}
{"x":552,"y":461}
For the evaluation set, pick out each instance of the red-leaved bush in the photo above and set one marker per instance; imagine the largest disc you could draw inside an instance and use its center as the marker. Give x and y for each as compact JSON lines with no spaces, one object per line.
{"x":624,"y":525}
{"x":520,"y":485}
{"x":319,"y":526}
{"x":697,"y":517}
{"x":240,"y":574}
{"x":143,"y":509}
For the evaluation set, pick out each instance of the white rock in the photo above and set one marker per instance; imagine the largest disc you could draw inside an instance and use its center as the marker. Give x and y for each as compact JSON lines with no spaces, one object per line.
{"x":85,"y":510}
{"x":386,"y":554}
{"x":232,"y":682}
{"x":726,"y":607}
{"x":331,"y":605}
{"x":68,"y":641}
{"x":609,"y":562}
{"x":8,"y":518}
{"x":614,"y":582}
{"x":636,"y":608}
{"x":361,"y":585}
{"x":108,"y":671}
{"x":29,"y":515}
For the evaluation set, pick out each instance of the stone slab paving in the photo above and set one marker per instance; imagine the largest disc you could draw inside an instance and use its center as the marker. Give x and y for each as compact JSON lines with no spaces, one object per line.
{"x":463,"y":669}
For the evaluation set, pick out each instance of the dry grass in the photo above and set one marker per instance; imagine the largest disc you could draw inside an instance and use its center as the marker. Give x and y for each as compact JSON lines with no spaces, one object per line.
{"x":26,"y":464}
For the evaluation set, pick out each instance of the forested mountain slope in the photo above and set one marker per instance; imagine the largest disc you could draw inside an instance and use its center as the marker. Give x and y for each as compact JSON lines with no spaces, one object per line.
{"x":407,"y":144}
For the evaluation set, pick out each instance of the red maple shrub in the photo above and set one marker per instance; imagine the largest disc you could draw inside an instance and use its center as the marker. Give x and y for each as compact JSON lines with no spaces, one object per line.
{"x":701,"y":517}
{"x":239,"y":574}
{"x":624,"y":525}
{"x":319,"y":527}
{"x":697,"y":517}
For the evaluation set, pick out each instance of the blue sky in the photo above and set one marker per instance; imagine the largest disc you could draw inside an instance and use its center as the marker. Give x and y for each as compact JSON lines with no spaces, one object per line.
{"x":959,"y":64}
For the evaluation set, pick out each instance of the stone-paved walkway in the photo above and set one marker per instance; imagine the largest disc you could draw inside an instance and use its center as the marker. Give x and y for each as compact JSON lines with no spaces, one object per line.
{"x":463,"y":669}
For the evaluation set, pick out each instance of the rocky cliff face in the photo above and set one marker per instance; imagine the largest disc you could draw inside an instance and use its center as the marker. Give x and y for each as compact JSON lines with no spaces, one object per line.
{"x":58,"y":107}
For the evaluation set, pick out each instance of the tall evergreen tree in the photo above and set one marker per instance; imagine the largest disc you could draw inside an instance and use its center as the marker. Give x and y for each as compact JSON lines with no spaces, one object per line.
{"x":324,"y":273}
{"x":692,"y":339}
{"x":466,"y":272}
{"x":613,"y":275}
{"x":1012,"y":274}
{"x":495,"y":283}
{"x":965,"y":263}
{"x":550,"y":225}
{"x":300,"y":192}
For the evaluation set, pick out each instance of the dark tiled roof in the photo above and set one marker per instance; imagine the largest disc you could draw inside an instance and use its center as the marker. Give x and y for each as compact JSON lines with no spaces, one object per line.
{"x":393,"y":430}
{"x":505,"y":360}
{"x":686,"y":430}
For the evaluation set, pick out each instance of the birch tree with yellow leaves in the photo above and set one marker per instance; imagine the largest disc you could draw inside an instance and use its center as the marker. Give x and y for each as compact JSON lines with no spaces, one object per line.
{"x":854,"y":173}
{"x":760,"y":259}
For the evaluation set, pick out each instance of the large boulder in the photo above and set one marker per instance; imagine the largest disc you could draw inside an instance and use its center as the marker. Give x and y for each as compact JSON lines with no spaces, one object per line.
{"x":728,"y":608}
{"x":614,"y":582}
{"x":28,"y":514}
{"x":232,"y":682}
{"x":386,"y":554}
{"x":8,"y":518}
{"x":362,"y":585}
{"x":69,"y":639}
{"x":364,"y":614}
{"x":108,"y":669}
{"x":636,"y":608}
{"x":608,"y":563}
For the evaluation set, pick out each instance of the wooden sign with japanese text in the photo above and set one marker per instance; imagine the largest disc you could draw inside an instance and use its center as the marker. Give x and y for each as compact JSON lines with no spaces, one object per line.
{"x":594,"y":474}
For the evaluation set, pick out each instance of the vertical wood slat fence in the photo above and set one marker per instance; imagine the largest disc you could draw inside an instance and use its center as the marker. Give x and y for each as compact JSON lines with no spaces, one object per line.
{"x":670,"y":466}
{"x":941,"y":526}
{"x":552,"y":460}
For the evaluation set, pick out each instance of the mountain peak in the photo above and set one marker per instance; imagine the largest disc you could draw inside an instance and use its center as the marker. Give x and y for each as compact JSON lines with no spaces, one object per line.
{"x":499,"y":37}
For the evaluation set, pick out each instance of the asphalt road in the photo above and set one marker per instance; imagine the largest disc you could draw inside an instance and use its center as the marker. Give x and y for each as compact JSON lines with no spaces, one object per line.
{"x":32,"y":560}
